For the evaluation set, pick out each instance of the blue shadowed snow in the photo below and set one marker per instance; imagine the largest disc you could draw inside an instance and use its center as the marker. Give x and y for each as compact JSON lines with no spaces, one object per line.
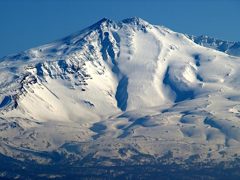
{"x":180,"y":95}
{"x":6,"y":101}
{"x":122,"y":94}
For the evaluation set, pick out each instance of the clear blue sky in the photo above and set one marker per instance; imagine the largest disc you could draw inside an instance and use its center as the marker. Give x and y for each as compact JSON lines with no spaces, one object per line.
{"x":29,"y":23}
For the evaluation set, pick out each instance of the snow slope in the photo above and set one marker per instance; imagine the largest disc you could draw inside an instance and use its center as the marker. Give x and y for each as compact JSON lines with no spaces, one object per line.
{"x":128,"y":92}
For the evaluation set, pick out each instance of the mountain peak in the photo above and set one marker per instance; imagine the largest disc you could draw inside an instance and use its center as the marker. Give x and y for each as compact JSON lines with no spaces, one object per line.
{"x":113,"y":84}
{"x":103,"y":22}
{"x":135,"y":21}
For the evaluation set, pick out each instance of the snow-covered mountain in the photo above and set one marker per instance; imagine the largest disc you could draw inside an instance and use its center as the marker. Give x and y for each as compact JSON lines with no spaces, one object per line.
{"x":122,"y":93}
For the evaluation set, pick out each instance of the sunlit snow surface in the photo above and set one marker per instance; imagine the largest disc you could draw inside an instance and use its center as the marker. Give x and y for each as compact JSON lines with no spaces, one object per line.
{"x":114,"y":94}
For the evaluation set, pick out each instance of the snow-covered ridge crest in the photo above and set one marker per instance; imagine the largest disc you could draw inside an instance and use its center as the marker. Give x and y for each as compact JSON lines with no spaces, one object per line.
{"x":136,"y":21}
{"x":229,"y":47}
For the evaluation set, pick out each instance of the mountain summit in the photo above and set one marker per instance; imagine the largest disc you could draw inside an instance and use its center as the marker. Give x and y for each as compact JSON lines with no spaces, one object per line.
{"x":128,"y":92}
